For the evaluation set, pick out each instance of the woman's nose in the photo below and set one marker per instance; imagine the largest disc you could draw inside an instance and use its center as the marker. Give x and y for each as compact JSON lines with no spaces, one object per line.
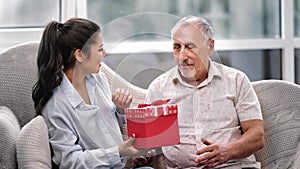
{"x":104,"y":53}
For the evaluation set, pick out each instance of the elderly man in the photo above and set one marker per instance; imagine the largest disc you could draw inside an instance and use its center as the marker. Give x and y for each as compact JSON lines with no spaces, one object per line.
{"x":220,"y":120}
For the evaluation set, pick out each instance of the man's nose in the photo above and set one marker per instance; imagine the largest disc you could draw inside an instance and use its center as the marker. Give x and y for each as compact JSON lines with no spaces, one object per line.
{"x":183,"y":54}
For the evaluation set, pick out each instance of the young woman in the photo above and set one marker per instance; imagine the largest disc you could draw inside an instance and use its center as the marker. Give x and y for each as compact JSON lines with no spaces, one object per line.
{"x":75,"y":99}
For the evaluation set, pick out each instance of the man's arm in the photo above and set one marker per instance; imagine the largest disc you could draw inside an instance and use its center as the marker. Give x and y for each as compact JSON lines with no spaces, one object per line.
{"x":252,"y":139}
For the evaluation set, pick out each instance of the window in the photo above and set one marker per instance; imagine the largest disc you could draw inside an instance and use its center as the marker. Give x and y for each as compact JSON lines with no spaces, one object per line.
{"x":247,"y":38}
{"x":28,"y":14}
{"x":297,"y":66}
{"x":265,"y":64}
{"x":141,"y":68}
{"x":297,"y":17}
{"x":250,"y":33}
{"x":23,"y":20}
{"x":233,"y":19}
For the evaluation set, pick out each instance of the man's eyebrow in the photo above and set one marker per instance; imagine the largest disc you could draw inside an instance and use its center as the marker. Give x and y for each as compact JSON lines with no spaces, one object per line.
{"x":185,"y":44}
{"x":190,"y":43}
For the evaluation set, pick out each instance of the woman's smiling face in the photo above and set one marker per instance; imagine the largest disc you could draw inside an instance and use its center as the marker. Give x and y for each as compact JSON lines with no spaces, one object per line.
{"x":94,"y":57}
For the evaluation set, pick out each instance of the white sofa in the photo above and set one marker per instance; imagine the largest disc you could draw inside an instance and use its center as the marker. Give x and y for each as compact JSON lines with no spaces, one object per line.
{"x":24,"y":138}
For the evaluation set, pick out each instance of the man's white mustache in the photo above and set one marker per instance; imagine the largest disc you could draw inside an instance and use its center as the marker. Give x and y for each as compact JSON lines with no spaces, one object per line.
{"x":184,"y":64}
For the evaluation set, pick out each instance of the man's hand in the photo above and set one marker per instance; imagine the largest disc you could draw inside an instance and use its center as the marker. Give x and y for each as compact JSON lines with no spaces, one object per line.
{"x":215,"y":154}
{"x":212,"y":155}
{"x":145,"y":160}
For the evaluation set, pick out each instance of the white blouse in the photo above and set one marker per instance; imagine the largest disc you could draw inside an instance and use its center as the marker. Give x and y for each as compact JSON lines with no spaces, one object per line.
{"x":81,"y":135}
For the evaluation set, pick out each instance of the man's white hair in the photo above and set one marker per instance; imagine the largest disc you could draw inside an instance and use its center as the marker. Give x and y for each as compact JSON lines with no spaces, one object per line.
{"x":202,"y":24}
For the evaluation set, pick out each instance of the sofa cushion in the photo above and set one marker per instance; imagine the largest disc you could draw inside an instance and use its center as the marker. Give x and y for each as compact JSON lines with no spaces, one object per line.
{"x":296,"y":164}
{"x":33,"y":151}
{"x":280,"y":105}
{"x":9,"y":130}
{"x":18,"y":74}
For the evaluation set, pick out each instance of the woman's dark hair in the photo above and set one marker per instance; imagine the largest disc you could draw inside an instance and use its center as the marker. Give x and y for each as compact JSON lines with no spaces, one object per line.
{"x":56,"y":50}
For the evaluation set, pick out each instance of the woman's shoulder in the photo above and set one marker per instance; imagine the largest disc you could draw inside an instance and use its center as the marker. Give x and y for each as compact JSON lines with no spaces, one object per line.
{"x":57,"y":102}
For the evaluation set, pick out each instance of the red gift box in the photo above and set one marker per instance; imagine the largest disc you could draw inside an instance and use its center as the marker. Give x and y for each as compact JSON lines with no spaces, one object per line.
{"x":153,"y":126}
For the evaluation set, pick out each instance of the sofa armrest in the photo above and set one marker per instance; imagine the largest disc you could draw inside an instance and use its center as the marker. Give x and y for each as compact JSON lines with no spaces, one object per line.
{"x":33,"y":150}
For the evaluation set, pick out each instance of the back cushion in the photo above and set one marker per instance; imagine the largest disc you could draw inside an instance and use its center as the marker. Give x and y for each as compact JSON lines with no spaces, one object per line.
{"x":18,"y":73}
{"x":280,"y":104}
{"x":9,"y":130}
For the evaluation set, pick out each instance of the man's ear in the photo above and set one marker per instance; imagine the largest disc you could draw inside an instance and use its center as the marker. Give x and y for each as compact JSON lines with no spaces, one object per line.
{"x":211,"y":46}
{"x":78,"y":55}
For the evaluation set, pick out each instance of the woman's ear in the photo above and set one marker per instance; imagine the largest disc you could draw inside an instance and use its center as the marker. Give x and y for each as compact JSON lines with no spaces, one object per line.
{"x":78,"y":55}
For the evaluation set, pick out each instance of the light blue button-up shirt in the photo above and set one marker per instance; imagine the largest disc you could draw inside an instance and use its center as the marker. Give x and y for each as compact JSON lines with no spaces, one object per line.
{"x":84,"y":136}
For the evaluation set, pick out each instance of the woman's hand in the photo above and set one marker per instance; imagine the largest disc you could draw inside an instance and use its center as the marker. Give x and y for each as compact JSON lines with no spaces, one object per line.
{"x":127,"y":149}
{"x":122,"y":98}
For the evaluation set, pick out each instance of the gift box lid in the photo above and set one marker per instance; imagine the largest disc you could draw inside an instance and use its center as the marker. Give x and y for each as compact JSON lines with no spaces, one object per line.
{"x":151,"y":111}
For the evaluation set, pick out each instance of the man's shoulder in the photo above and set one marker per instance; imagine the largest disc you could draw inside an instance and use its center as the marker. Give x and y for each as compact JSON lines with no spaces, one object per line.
{"x":165,"y":77}
{"x":228,"y":70}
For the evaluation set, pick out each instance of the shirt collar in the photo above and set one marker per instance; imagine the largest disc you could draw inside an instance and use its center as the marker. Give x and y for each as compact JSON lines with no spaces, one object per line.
{"x":213,"y":71}
{"x":71,"y":93}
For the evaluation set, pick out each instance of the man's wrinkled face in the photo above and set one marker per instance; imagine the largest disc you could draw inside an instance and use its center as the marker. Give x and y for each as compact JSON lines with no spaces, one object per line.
{"x":191,"y":50}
